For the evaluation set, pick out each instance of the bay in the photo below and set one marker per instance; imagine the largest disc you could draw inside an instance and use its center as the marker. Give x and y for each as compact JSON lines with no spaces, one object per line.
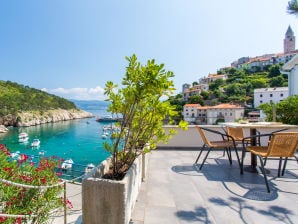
{"x":81,"y":139}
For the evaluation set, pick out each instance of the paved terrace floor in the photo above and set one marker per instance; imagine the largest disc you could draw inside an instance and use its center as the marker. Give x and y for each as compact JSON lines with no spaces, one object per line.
{"x":176,"y":191}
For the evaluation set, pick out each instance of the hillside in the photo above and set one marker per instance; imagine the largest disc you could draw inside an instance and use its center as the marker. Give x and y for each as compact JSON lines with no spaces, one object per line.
{"x":237,"y":88}
{"x":24,"y":106}
{"x":15,"y":97}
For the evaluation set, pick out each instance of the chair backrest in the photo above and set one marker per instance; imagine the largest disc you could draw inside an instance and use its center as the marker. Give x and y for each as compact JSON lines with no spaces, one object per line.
{"x":236,"y":133}
{"x":203,"y":136}
{"x":283,"y":144}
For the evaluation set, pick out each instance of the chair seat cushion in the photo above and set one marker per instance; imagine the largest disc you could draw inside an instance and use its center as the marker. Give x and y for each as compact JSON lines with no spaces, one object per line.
{"x":221,"y":144}
{"x":258,"y":150}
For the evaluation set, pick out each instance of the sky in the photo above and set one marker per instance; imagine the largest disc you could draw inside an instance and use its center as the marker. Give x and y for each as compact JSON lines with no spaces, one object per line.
{"x":71,"y":48}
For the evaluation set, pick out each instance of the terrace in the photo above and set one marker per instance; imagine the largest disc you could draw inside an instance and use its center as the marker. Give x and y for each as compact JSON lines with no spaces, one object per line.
{"x":176,"y":191}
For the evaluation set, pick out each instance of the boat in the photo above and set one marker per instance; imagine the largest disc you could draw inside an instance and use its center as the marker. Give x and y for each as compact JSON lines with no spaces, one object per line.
{"x":89,"y":167}
{"x":35,"y":143}
{"x":107,"y":118}
{"x":67,"y":164}
{"x":15,"y":155}
{"x":23,"y":134}
{"x":23,"y":139}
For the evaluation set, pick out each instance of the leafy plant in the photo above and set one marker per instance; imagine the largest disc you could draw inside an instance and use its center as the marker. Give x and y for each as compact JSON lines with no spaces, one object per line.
{"x":139,"y":105}
{"x":286,"y":110}
{"x":37,"y":203}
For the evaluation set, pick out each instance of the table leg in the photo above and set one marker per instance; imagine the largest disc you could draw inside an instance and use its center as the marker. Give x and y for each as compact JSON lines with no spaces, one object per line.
{"x":253,"y":158}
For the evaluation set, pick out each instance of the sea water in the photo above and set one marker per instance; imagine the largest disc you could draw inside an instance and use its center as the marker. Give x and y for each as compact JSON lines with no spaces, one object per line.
{"x":80,"y":140}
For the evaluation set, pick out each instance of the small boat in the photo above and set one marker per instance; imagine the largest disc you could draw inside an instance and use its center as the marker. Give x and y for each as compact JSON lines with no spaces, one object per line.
{"x":35,"y":143}
{"x":15,"y":155}
{"x":89,"y":167}
{"x":67,"y":164}
{"x":23,"y":134}
{"x":108,"y":118}
{"x":41,"y":153}
{"x":23,"y":139}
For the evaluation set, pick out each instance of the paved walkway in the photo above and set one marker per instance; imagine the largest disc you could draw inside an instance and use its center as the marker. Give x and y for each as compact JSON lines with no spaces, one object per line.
{"x":176,"y":191}
{"x":74,"y":215}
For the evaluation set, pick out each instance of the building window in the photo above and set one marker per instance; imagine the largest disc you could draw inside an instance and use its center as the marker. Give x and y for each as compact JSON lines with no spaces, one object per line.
{"x":192,"y":115}
{"x":231,"y":114}
{"x":281,"y":94}
{"x":261,"y":101}
{"x":261,"y":95}
{"x":271,"y":95}
{"x":186,"y":114}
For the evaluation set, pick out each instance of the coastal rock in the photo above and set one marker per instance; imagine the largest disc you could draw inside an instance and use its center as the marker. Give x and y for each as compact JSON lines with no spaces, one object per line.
{"x":32,"y":118}
{"x":3,"y":129}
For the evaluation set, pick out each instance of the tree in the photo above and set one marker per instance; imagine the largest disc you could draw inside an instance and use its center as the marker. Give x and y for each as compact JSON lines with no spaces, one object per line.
{"x":274,"y":71}
{"x":286,"y":110}
{"x":259,"y":83}
{"x":216,"y":84}
{"x":196,"y":99}
{"x":293,"y":7}
{"x":142,"y":112}
{"x":205,"y":95}
{"x":277,"y":81}
{"x":195,"y":83}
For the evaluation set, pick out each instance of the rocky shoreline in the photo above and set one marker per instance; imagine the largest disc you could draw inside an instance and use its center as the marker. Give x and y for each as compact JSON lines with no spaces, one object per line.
{"x":32,"y":118}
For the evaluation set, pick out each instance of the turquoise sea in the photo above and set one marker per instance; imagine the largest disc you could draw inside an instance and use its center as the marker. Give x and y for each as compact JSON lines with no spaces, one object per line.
{"x":79,"y":139}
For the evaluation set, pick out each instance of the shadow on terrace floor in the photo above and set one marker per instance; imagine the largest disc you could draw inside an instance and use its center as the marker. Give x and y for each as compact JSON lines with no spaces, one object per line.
{"x":176,"y":191}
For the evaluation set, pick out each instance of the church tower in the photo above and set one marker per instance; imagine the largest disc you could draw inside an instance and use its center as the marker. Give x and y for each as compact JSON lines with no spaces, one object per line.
{"x":289,"y":41}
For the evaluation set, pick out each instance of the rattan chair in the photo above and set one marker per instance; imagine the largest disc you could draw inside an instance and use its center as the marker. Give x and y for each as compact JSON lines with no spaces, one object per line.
{"x":281,"y":145}
{"x":226,"y":143}
{"x":237,"y":134}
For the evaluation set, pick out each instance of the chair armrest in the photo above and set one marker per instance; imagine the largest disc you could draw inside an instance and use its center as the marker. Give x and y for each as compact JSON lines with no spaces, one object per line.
{"x":259,"y":136}
{"x":224,"y":136}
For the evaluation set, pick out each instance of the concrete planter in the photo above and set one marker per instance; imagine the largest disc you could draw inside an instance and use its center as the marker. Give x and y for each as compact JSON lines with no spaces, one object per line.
{"x":108,"y":201}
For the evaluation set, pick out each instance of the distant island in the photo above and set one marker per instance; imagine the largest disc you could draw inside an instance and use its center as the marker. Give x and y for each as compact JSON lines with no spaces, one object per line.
{"x":24,"y":106}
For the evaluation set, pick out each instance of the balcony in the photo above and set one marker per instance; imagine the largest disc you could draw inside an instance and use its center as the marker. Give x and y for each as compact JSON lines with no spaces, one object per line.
{"x":176,"y":191}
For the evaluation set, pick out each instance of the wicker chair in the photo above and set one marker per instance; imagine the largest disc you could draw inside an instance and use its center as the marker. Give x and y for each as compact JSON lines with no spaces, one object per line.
{"x":281,"y":145}
{"x":226,"y":143}
{"x":237,"y":134}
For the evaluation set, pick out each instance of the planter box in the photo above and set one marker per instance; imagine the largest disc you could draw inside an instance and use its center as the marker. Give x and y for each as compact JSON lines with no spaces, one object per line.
{"x":108,"y":201}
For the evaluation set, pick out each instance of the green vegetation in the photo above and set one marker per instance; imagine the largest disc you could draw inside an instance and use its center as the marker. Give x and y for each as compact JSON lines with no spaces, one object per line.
{"x":286,"y":110}
{"x":237,"y":88}
{"x":143,"y":113}
{"x":15,"y":97}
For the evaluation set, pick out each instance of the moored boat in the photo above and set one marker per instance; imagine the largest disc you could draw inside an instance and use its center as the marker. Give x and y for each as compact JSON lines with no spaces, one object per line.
{"x":23,"y":139}
{"x":89,"y":167}
{"x":107,"y":118}
{"x":67,"y":164}
{"x":35,"y":143}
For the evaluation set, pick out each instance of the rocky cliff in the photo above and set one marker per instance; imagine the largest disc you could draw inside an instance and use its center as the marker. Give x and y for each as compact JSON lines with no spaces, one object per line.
{"x":31,"y":118}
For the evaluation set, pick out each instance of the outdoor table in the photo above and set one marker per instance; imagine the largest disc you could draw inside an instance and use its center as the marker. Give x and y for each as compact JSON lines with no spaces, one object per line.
{"x":253,"y":131}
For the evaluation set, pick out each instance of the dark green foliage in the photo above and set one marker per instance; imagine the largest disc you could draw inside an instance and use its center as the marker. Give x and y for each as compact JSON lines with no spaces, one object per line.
{"x":15,"y":97}
{"x":286,"y":110}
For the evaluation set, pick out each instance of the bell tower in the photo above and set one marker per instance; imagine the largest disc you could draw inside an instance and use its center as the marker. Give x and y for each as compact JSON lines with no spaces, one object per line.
{"x":289,"y":41}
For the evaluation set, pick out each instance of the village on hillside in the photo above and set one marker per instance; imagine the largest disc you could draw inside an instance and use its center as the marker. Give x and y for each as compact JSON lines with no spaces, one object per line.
{"x":195,"y":113}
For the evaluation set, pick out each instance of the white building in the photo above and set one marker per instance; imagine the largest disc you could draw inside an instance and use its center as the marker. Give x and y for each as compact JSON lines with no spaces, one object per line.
{"x":267,"y":95}
{"x":195,"y":113}
{"x":190,"y":112}
{"x":291,"y":69}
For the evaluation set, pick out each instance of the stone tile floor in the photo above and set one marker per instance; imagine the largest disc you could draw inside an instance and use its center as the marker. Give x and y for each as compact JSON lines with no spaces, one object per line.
{"x":176,"y":191}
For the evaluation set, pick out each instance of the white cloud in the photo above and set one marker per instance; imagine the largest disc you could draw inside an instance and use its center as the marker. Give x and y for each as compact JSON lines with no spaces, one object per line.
{"x":78,"y":93}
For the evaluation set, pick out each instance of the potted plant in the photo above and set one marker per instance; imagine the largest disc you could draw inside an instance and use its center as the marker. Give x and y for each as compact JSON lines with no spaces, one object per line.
{"x":139,"y":105}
